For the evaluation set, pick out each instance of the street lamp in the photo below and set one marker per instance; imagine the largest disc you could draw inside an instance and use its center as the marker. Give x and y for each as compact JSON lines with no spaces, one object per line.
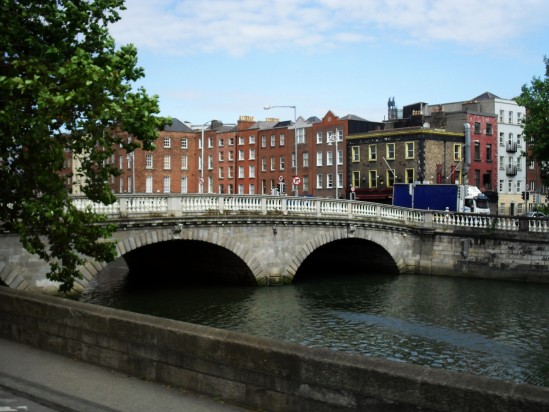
{"x":296,"y":190}
{"x":331,"y":140}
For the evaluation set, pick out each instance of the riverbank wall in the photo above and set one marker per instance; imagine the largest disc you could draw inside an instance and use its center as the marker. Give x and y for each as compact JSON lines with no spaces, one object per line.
{"x":257,"y":373}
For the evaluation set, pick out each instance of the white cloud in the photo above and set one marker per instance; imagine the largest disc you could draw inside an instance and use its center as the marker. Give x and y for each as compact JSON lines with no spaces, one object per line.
{"x":239,"y":26}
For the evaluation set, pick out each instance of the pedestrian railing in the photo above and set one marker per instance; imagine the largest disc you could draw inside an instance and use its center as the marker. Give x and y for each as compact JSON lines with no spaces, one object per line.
{"x":181,"y":205}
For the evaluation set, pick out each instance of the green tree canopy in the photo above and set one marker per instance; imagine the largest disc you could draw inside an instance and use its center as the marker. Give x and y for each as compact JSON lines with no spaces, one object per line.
{"x":65,"y":86}
{"x":535,"y":98}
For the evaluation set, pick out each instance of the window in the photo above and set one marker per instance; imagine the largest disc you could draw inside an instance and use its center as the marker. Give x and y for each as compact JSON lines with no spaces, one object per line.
{"x":355,"y":179}
{"x":305,"y":183}
{"x":519,"y":117}
{"x":355,"y":154}
{"x":293,"y":160}
{"x":210,"y":142}
{"x":184,"y":184}
{"x":263,"y":141}
{"x":230,"y":155}
{"x":221,"y":142}
{"x":319,"y":181}
{"x":221,"y":156}
{"x":282,"y":162}
{"x":273,"y":164}
{"x":149,"y":184}
{"x":477,"y":178}
{"x":167,"y":143}
{"x":318,"y":137}
{"x":329,"y":180}
{"x":230,"y":170}
{"x":501,"y":138}
{"x":241,"y":172}
{"x":167,"y":162}
{"x":240,"y":140}
{"x":476,"y":151}
{"x":477,"y":127}
{"x":409,"y":150}
{"x":149,"y":161}
{"x":488,"y":152}
{"x":390,"y":178}
{"x":240,"y":189}
{"x":409,"y":176}
{"x":231,"y":141}
{"x":263,"y":164}
{"x":251,"y":139}
{"x":251,"y":189}
{"x":251,"y":154}
{"x":210,"y":162}
{"x":282,"y":140}
{"x":129,"y":184}
{"x":501,"y":163}
{"x":488,"y":128}
{"x":300,"y":135}
{"x":273,"y":140}
{"x":184,"y":143}
{"x":120,"y":162}
{"x":339,"y":157}
{"x":306,"y":159}
{"x":221,"y":173}
{"x":167,"y":185}
{"x":372,"y":176}
{"x":390,"y":151}
{"x":457,"y":152}
{"x":372,"y":153}
{"x":319,"y":158}
{"x":329,"y":158}
{"x":510,"y":117}
{"x":121,"y":183}
{"x":251,"y":171}
{"x":241,"y":155}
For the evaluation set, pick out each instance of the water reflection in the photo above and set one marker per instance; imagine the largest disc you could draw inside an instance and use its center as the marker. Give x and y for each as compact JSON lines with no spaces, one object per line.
{"x":498,"y":329}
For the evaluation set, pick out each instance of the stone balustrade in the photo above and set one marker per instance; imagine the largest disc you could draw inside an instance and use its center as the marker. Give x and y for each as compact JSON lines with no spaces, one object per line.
{"x":181,"y":205}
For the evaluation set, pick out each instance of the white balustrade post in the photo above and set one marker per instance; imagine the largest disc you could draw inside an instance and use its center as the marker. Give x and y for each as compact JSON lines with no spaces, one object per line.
{"x":284,"y":205}
{"x":174,"y":206}
{"x":221,"y":204}
{"x":123,"y":204}
{"x":263,"y":205}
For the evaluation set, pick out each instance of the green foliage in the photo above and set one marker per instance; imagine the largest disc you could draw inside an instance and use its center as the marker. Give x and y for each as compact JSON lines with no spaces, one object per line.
{"x":536,"y":123}
{"x":65,"y":86}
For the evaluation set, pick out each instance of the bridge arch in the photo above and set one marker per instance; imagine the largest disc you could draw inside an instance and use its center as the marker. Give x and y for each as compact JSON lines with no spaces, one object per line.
{"x":347,"y":237}
{"x":131,"y":241}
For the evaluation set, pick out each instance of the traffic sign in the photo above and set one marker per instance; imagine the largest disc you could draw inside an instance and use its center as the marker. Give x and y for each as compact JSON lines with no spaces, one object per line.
{"x":297,"y":180}
{"x":280,"y":178}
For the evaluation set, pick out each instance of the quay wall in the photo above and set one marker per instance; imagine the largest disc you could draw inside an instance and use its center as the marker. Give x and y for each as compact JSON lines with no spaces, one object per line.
{"x":254,"y":372}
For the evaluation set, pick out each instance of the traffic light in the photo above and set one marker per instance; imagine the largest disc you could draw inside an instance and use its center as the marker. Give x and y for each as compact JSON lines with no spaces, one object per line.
{"x":523,"y":195}
{"x":527,"y":195}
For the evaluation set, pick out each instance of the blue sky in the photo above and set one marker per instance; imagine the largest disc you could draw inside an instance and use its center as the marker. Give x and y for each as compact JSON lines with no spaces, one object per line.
{"x":219,"y":59}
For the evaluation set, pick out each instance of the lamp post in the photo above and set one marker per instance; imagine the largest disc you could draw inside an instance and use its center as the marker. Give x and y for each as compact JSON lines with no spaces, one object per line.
{"x":332,"y":139}
{"x":296,"y":191}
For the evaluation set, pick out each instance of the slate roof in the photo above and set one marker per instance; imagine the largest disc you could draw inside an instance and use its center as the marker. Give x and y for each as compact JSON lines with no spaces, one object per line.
{"x":177,"y":126}
{"x":353,"y":117}
{"x":486,"y":96}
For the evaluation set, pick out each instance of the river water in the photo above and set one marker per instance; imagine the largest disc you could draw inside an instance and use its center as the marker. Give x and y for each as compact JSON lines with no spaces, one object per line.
{"x":486,"y":327}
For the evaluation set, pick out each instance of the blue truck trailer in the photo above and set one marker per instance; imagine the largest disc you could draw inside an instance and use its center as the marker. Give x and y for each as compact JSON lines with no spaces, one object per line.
{"x":454,"y":198}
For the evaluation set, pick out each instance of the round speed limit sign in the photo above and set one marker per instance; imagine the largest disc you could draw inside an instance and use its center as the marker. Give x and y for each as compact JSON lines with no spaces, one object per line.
{"x":297,"y":180}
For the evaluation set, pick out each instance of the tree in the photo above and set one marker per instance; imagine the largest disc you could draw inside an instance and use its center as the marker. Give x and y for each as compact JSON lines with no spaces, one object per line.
{"x":65,"y":86}
{"x":535,"y":98}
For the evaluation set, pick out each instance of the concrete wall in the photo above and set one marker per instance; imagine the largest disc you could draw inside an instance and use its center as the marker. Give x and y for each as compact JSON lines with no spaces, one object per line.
{"x":254,"y":372}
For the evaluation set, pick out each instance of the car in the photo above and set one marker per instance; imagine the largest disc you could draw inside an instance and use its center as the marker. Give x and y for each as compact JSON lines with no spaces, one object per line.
{"x":535,"y":214}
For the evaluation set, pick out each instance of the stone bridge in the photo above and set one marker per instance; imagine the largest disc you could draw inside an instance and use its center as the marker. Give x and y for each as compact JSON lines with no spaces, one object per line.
{"x":267,"y":240}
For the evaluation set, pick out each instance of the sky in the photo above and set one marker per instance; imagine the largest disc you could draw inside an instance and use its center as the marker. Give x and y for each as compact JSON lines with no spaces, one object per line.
{"x":220,"y":59}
